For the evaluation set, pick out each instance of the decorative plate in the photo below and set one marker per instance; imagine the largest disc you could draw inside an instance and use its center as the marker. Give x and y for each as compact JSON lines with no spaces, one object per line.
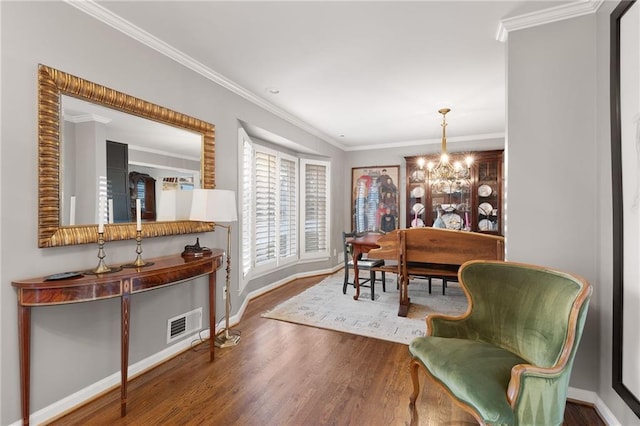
{"x":448,"y":207}
{"x":62,"y":276}
{"x":484,"y":225}
{"x":484,"y":190}
{"x":417,"y":192}
{"x":417,"y":208}
{"x":452,"y":220}
{"x":485,"y":209}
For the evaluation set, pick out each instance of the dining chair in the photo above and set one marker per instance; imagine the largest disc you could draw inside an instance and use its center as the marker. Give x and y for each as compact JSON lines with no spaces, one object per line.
{"x":363,"y":265}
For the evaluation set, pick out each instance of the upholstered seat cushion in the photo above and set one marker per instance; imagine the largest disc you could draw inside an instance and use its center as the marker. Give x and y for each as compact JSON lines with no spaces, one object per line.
{"x":475,"y":372}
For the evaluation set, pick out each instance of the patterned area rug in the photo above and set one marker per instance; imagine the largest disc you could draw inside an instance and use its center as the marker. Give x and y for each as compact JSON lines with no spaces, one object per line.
{"x":324,"y":306}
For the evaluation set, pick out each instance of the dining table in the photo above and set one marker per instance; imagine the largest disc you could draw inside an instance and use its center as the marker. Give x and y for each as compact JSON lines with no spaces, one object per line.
{"x":361,"y":244}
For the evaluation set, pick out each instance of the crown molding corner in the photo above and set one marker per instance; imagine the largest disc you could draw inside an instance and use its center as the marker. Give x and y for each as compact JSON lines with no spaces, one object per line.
{"x":546,"y":16}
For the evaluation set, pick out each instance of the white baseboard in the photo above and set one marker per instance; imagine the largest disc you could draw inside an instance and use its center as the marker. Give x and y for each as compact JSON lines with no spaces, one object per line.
{"x":593,"y":399}
{"x":68,"y":403}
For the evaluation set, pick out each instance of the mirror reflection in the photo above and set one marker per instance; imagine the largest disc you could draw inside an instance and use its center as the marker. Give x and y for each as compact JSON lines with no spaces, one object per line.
{"x":81,"y":170}
{"x":121,"y":157}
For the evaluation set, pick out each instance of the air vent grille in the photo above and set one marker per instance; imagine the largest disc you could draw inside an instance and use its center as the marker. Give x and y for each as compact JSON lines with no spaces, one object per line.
{"x":184,"y":325}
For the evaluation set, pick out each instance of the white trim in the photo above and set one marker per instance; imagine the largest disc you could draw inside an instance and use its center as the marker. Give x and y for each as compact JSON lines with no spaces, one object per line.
{"x":105,"y":16}
{"x":546,"y":16}
{"x":423,"y":142}
{"x":263,"y":290}
{"x":113,"y":381}
{"x":598,"y":404}
{"x":92,"y":391}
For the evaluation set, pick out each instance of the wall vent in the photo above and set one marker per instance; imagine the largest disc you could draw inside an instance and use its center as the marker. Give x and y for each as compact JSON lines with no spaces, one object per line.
{"x":184,"y":325}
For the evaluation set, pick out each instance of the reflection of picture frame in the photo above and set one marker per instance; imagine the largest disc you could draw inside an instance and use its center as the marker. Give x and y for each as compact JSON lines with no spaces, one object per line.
{"x":375,"y":199}
{"x":625,"y":145}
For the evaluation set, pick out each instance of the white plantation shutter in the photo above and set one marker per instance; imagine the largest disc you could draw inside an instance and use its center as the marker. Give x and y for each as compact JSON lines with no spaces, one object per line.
{"x":265,"y":208}
{"x":270,"y":208}
{"x":315,"y":216}
{"x":288,"y":208}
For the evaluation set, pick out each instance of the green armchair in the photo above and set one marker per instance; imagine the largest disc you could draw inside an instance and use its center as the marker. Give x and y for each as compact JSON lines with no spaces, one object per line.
{"x":508,"y":359}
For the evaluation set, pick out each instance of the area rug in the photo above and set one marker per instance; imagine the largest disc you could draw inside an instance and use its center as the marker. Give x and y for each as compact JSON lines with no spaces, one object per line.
{"x":324,"y":306}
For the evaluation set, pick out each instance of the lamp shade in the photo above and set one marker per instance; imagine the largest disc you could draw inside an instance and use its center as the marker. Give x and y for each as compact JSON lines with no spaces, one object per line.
{"x":213,"y":205}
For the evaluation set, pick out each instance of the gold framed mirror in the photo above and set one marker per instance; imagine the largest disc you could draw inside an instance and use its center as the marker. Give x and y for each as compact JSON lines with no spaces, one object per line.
{"x":52,"y":85}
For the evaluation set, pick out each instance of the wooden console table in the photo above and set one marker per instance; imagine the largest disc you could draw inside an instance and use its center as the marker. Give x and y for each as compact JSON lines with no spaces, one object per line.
{"x":164,"y":271}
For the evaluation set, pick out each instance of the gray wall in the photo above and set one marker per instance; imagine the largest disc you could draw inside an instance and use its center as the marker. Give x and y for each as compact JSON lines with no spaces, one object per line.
{"x":552,"y":166}
{"x":559,"y":173}
{"x":75,"y":346}
{"x":558,"y":194}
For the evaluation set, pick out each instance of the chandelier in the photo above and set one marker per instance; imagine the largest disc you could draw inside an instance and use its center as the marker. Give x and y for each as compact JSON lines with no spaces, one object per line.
{"x":445,"y":176}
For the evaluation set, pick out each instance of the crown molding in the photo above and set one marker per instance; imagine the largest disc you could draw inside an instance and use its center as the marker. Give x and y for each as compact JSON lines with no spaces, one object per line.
{"x":86,"y":118}
{"x":423,"y":142}
{"x":546,"y":16}
{"x":91,"y":8}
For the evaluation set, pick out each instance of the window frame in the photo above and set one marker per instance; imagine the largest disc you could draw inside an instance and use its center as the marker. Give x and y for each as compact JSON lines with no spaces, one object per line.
{"x":254,"y":271}
{"x":317,"y":255}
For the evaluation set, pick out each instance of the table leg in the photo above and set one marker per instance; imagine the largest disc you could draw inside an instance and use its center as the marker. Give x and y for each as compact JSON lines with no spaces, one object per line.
{"x":357,"y":253}
{"x":212,"y":313}
{"x":24,"y":336}
{"x":124,"y":348}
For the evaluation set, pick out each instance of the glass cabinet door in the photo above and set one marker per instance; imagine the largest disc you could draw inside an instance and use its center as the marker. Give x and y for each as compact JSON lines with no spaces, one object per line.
{"x":472,"y":204}
{"x":489,"y":184}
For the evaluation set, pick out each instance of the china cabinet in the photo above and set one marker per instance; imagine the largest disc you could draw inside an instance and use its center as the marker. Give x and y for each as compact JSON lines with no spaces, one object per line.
{"x":472,"y":204}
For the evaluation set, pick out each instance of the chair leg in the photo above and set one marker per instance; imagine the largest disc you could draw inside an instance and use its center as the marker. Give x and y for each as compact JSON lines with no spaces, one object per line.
{"x":384,"y":283}
{"x":372,"y":277}
{"x":346,"y":280}
{"x":416,"y":383}
{"x":429,"y":279}
{"x":444,"y":285}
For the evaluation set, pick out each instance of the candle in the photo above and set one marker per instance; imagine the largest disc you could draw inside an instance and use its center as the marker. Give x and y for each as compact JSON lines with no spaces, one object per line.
{"x":72,"y":210}
{"x":138,"y":218}
{"x":110,"y":210}
{"x":101,"y":215}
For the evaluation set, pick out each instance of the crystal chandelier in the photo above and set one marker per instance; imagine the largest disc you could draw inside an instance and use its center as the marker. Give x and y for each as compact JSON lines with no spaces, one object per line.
{"x":445,"y":176}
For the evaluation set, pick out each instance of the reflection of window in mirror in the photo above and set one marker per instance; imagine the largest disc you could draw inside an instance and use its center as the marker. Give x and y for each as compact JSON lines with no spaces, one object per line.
{"x":143,"y":187}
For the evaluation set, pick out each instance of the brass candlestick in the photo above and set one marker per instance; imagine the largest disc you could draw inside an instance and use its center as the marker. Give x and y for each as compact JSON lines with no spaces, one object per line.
{"x":139,"y":262}
{"x":102,"y":267}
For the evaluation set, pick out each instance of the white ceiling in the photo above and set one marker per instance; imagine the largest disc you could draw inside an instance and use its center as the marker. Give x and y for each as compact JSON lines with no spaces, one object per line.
{"x":357,"y":74}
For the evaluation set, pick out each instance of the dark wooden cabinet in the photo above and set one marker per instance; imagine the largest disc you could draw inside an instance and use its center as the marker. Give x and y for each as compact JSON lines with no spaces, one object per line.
{"x":142,"y":186}
{"x":473,"y":204}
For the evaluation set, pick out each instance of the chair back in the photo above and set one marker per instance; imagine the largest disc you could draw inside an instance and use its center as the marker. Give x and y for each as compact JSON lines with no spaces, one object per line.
{"x":529,"y":310}
{"x":450,"y":247}
{"x":346,"y":247}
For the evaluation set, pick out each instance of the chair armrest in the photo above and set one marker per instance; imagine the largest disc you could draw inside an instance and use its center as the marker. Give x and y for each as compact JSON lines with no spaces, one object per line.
{"x":447,"y":326}
{"x":524,"y":390}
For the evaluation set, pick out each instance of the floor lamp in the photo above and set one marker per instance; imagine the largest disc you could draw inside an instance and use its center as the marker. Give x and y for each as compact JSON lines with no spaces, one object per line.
{"x":218,"y":205}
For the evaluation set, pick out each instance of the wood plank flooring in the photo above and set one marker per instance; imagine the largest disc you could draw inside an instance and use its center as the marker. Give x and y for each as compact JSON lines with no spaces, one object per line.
{"x":285,"y":374}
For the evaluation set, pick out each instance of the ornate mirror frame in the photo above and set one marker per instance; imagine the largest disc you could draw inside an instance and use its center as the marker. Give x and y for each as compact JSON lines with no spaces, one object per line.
{"x":52,"y":84}
{"x":619,"y":184}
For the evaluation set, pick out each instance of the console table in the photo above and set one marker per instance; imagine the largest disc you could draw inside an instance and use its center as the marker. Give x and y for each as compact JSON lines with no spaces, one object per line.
{"x":165,"y":271}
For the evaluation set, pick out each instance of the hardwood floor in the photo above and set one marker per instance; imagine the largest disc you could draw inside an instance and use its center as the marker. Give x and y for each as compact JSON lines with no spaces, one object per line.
{"x":285,"y":374}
